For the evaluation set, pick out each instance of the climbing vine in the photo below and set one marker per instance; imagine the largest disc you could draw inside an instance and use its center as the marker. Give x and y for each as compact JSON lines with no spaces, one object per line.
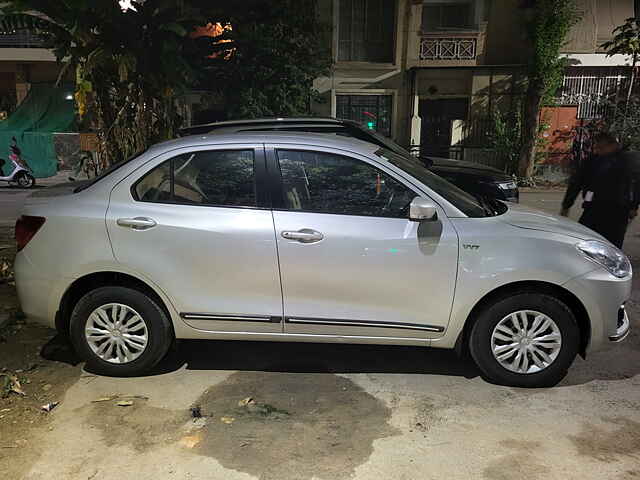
{"x":548,"y":23}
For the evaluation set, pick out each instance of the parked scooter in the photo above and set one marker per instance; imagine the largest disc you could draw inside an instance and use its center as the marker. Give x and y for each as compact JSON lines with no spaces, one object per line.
{"x":18,"y":172}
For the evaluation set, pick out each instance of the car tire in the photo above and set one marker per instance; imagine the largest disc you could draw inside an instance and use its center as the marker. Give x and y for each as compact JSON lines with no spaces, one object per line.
{"x":91,"y":332}
{"x":490,"y":334}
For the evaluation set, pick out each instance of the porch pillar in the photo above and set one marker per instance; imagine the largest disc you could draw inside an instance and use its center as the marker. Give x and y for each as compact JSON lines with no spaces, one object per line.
{"x":416,"y":122}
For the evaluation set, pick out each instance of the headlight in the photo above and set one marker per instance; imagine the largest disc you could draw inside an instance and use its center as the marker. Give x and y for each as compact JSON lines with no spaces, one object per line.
{"x":507,"y":185}
{"x":608,"y":256}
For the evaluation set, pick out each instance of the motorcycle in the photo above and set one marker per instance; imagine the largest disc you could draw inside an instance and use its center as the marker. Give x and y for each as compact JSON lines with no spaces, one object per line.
{"x":20,"y":173}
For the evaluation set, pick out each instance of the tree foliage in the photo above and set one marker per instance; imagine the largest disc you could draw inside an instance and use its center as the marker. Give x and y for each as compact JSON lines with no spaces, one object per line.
{"x":128,"y":66}
{"x":548,"y":25}
{"x":625,"y":41}
{"x":131,"y":66}
{"x":505,"y":137}
{"x":269,"y":58}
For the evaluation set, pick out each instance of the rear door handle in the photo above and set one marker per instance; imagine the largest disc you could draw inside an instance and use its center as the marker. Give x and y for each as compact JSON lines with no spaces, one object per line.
{"x":137,"y":223}
{"x":306,"y":235}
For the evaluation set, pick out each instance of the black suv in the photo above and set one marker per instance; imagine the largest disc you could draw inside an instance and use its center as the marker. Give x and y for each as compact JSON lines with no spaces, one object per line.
{"x":474,"y":178}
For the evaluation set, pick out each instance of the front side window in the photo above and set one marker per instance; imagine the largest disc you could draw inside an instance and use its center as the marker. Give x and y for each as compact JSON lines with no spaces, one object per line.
{"x":217,"y":177}
{"x":466,"y":203}
{"x":366,"y":30}
{"x":373,"y":112}
{"x":327,"y":183}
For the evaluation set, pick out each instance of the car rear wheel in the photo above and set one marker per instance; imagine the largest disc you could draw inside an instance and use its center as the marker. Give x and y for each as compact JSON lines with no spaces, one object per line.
{"x":525,"y":340}
{"x":120,"y":331}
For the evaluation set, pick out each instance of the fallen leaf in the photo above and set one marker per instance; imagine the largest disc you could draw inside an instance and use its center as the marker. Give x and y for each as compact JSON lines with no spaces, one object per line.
{"x":246,"y":401}
{"x":190,"y":441}
{"x":49,"y":406}
{"x":10,"y":383}
{"x":227,"y":420}
{"x":105,"y":399}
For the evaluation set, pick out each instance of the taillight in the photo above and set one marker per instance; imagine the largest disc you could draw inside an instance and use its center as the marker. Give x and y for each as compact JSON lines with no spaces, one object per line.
{"x":26,"y":227}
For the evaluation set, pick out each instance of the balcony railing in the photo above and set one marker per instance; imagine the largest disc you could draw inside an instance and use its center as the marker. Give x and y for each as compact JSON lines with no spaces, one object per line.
{"x":449,"y":47}
{"x":20,"y":39}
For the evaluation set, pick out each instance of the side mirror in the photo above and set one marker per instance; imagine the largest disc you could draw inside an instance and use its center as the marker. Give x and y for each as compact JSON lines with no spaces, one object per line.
{"x":422,"y":209}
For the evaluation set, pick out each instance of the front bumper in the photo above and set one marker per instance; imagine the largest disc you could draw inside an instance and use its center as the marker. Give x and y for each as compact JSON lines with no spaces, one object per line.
{"x":603,"y":297}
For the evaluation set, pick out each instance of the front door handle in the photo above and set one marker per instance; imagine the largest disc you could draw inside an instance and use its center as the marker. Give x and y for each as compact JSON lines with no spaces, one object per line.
{"x":138,"y":223}
{"x":306,"y":235}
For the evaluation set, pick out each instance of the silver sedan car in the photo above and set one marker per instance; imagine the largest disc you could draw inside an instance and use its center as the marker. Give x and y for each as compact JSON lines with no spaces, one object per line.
{"x":311,"y":238}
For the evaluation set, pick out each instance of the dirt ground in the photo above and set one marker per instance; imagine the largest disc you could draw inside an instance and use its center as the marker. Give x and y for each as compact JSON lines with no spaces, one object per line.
{"x":244,"y":410}
{"x":35,"y":357}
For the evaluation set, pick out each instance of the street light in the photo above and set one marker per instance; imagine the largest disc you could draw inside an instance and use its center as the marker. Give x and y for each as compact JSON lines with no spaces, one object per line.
{"x":126,"y":5}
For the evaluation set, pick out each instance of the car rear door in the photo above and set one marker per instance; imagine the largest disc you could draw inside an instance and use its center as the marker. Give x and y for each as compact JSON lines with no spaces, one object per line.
{"x":351,"y":262}
{"x":196,"y":222}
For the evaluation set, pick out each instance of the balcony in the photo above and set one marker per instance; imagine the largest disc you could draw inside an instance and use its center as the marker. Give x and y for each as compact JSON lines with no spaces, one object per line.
{"x":438,"y":47}
{"x":20,"y":39}
{"x":449,"y":48}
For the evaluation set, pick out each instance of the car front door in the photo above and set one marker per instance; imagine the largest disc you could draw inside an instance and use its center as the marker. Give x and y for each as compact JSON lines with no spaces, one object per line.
{"x":195,"y":222}
{"x":351,"y":262}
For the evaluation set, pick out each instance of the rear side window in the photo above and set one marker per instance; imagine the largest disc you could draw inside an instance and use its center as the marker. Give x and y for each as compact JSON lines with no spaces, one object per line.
{"x":217,"y":177}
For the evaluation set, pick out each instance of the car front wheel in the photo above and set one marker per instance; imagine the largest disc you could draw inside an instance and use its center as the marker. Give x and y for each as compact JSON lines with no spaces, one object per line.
{"x":120,"y":331}
{"x":525,"y":340}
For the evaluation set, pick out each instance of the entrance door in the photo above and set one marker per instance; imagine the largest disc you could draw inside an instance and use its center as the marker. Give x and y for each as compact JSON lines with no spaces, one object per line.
{"x":351,"y":262}
{"x":193,"y":223}
{"x":437,"y":118}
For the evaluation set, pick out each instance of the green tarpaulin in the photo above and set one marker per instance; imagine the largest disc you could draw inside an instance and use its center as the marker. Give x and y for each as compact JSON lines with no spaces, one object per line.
{"x":46,"y":110}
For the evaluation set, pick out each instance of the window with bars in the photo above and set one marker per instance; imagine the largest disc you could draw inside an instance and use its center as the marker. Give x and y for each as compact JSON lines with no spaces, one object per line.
{"x":447,"y":16}
{"x":366,"y":30}
{"x":371,"y":111}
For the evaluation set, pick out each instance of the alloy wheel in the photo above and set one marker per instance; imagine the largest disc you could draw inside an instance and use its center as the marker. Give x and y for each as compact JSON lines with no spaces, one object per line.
{"x":526,"y":341}
{"x":116,"y":333}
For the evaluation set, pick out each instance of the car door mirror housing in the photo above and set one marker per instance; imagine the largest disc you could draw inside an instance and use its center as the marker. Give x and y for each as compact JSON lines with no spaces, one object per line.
{"x":422,"y":209}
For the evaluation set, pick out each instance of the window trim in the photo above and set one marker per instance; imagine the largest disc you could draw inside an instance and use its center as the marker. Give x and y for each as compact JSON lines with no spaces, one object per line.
{"x":263,"y":200}
{"x":275,"y":177}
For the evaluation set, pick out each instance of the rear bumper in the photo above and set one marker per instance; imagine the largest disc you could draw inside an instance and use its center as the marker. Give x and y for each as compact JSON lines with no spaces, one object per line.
{"x":37,"y":293}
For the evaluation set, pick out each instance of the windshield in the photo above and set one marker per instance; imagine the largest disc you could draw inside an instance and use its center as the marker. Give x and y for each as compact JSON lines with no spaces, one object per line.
{"x":106,"y":172}
{"x":466,"y":203}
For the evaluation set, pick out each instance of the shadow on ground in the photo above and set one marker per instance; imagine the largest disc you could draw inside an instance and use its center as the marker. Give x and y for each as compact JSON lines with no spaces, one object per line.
{"x":616,"y":364}
{"x":314,"y":358}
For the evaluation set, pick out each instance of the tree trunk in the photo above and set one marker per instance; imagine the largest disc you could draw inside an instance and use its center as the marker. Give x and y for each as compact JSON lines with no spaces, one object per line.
{"x":530,"y":124}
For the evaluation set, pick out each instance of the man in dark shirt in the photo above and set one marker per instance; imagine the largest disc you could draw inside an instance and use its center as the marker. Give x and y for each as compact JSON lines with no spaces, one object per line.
{"x":610,"y":186}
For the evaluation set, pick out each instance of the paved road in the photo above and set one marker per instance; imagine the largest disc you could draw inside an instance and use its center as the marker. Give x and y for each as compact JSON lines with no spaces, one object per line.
{"x":338,"y":412}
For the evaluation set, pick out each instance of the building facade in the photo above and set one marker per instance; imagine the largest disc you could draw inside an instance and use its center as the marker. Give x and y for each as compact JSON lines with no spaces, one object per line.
{"x":23,"y":62}
{"x":428,"y":73}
